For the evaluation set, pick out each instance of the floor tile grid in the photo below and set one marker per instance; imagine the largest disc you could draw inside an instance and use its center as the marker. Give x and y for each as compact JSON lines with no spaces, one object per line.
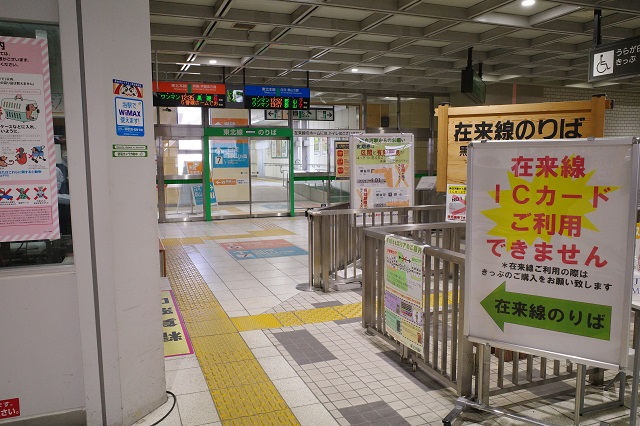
{"x":241,"y":390}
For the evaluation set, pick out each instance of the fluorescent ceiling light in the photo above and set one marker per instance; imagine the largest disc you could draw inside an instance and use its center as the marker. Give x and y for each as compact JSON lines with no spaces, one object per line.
{"x":354,"y":70}
{"x":527,"y":3}
{"x":213,"y":61}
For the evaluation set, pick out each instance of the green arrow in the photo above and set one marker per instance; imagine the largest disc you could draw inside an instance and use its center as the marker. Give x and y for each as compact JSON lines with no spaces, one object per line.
{"x":564,"y":316}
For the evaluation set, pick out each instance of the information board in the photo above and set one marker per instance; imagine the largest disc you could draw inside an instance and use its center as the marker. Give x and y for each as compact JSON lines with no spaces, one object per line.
{"x":404,"y":292}
{"x":615,"y":60}
{"x":548,"y":270}
{"x":28,"y":184}
{"x":175,"y":93}
{"x":381,"y":170}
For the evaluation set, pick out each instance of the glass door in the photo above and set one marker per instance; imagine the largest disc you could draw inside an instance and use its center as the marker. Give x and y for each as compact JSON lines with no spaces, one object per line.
{"x":269,"y":177}
{"x":179,"y":179}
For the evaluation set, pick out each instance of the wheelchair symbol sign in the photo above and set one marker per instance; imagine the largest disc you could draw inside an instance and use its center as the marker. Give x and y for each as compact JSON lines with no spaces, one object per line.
{"x":603,"y":63}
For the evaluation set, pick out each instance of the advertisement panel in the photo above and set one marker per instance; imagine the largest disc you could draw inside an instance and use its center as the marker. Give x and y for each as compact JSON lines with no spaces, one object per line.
{"x":548,"y":270}
{"x":456,"y":204}
{"x":28,"y":185}
{"x":381,"y":170}
{"x":404,"y":292}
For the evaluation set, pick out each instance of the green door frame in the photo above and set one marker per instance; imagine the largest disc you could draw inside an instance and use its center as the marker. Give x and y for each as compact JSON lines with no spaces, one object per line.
{"x":245,"y":133}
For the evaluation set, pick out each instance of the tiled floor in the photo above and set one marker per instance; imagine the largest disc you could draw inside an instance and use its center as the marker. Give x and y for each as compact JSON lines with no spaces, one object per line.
{"x":269,"y":351}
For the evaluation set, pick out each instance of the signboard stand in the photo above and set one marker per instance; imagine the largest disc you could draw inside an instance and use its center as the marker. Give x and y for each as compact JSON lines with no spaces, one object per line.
{"x":535,"y":283}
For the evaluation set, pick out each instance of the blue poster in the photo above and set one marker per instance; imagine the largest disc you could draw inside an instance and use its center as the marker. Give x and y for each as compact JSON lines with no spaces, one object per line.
{"x":129,"y":116}
{"x":198,"y":198}
{"x":229,"y":154}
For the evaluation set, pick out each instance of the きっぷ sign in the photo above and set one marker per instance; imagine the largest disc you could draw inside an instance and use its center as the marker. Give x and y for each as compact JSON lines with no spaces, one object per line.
{"x":548,"y":269}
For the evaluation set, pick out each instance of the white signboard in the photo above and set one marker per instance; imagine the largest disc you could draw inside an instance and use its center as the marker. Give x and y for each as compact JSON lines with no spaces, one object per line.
{"x":404,"y":292}
{"x":28,"y":185}
{"x":550,"y":247}
{"x":456,"y":205}
{"x":381,"y":170}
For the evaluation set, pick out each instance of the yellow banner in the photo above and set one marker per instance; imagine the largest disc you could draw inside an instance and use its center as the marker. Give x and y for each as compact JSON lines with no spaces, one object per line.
{"x":176,"y":339}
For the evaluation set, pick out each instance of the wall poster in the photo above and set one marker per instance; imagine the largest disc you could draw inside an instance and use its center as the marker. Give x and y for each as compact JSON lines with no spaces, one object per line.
{"x":28,"y":186}
{"x":404,"y":292}
{"x":381,"y":170}
{"x":549,"y":271}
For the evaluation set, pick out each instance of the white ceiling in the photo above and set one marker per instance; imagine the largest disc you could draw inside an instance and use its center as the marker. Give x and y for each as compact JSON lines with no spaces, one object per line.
{"x":399,"y":46}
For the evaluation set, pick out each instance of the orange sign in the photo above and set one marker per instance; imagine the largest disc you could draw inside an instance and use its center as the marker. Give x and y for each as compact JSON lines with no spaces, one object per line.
{"x":194,"y":167}
{"x":224,"y":182}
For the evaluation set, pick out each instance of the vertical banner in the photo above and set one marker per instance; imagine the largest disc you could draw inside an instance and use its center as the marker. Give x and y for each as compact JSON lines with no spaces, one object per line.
{"x":550,"y":247}
{"x":404,"y":292}
{"x":456,"y":205}
{"x":381,"y":170}
{"x":28,"y":185}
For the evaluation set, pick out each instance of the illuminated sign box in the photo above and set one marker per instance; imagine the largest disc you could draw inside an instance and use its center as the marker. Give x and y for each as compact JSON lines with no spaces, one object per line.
{"x":271,"y":97}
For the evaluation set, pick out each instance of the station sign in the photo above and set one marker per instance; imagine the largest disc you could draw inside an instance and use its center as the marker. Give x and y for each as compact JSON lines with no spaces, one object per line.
{"x":615,"y":60}
{"x":280,"y":98}
{"x":278,"y":132}
{"x":274,"y":114}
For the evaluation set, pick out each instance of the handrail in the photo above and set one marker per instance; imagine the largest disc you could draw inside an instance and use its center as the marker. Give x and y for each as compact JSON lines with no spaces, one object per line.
{"x":324,"y":211}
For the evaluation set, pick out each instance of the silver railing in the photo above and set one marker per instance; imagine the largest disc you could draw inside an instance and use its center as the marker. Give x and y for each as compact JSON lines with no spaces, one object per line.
{"x":336,"y":235}
{"x":473,"y":370}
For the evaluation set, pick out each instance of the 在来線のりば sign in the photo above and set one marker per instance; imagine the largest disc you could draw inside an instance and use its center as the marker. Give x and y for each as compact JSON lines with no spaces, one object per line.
{"x":459,"y":126}
{"x":548,"y":271}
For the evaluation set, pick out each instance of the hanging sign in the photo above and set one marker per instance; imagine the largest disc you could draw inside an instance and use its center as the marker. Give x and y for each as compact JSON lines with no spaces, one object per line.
{"x":615,"y":60}
{"x":270,"y":97}
{"x":404,"y":292}
{"x":28,"y":184}
{"x":314,"y":114}
{"x":381,"y":170}
{"x":548,"y":271}
{"x":173,"y":94}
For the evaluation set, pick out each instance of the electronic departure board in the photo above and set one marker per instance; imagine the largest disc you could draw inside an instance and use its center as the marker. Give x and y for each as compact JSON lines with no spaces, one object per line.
{"x":269,"y":97}
{"x":176,"y":93}
{"x":188,"y":99}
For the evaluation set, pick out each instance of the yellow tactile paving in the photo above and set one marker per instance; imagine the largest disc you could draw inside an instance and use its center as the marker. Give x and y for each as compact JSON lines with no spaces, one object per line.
{"x":210,"y":328}
{"x":288,"y":319}
{"x":310,"y":316}
{"x":233,"y":374}
{"x":353,"y":310}
{"x":280,"y":418}
{"x":256,"y":322}
{"x":248,"y":396}
{"x":248,"y":400}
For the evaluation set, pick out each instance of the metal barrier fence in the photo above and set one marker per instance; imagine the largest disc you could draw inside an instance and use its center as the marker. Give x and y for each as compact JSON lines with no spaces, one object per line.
{"x":336,"y":234}
{"x":471,"y":369}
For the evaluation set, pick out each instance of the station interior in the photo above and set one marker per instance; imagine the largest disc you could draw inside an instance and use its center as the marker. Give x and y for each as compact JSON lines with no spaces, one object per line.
{"x":213,"y":263}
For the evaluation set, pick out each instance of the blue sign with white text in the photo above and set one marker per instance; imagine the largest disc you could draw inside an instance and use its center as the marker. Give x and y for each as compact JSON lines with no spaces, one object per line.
{"x":129,"y":117}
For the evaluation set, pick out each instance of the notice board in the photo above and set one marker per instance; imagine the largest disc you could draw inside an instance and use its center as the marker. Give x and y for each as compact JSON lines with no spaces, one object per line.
{"x":549,"y":271}
{"x":381,"y":170}
{"x":28,"y":184}
{"x":404,"y":292}
{"x":459,"y":126}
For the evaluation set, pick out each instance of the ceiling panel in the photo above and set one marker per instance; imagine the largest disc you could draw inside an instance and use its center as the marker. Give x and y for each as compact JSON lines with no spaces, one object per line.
{"x":279,"y":40}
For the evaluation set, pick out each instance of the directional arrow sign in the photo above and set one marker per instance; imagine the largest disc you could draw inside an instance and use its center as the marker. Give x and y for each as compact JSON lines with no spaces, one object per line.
{"x":563,"y":316}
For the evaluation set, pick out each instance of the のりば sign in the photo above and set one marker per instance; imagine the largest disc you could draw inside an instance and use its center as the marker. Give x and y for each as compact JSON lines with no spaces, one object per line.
{"x":549,"y":272}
